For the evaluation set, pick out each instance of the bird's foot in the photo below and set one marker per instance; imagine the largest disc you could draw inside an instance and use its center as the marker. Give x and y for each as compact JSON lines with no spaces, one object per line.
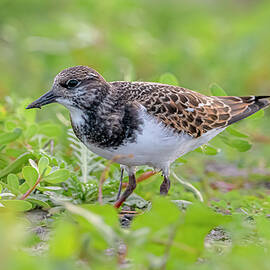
{"x":165,"y":186}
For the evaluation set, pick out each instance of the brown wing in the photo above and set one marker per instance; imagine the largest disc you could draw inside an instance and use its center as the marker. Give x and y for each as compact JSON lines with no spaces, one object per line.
{"x":189,"y":111}
{"x":242,"y":107}
{"x":197,"y":114}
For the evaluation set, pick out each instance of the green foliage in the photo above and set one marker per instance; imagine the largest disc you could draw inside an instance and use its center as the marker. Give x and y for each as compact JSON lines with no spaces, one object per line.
{"x":16,"y":205}
{"x":43,"y":167}
{"x":30,"y":175}
{"x":216,"y":90}
{"x":168,"y":78}
{"x":175,"y":236}
{"x":8,"y":137}
{"x":58,"y":176}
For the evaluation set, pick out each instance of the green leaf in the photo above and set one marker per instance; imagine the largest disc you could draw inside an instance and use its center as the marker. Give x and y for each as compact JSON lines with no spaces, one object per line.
{"x":13,"y":181}
{"x":96,"y":223}
{"x":216,"y":90}
{"x":209,"y":150}
{"x":10,"y":136}
{"x":31,"y":131}
{"x":199,"y":149}
{"x":50,"y":130}
{"x":136,"y":201}
{"x":58,"y":176}
{"x":257,"y":115}
{"x":10,"y":125}
{"x":64,"y":244}
{"x":49,"y":188}
{"x":24,"y":187}
{"x":33,"y":164}
{"x":42,"y":164}
{"x":240,"y":145}
{"x":15,"y":191}
{"x":16,"y":166}
{"x":168,"y":78}
{"x":17,"y":205}
{"x":28,"y":115}
{"x":163,"y":213}
{"x":3,"y":161}
{"x":199,"y":220}
{"x":181,"y":160}
{"x":38,"y":202}
{"x":30,"y":175}
{"x":107,"y":212}
{"x":236,"y":133}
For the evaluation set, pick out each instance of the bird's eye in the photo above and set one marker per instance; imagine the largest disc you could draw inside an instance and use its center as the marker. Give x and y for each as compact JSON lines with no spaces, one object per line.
{"x":72,"y":83}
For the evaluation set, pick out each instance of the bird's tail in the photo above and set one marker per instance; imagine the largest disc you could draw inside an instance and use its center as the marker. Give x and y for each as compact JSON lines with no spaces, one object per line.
{"x":242,"y":107}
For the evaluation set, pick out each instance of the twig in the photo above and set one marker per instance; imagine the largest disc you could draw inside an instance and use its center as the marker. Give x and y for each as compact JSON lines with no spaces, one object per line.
{"x":195,"y":191}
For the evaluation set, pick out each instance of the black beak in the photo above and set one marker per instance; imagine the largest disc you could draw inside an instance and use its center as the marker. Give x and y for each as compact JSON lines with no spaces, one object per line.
{"x":47,"y":98}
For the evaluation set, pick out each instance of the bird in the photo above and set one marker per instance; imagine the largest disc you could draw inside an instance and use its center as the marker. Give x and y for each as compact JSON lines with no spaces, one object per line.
{"x":143,"y":123}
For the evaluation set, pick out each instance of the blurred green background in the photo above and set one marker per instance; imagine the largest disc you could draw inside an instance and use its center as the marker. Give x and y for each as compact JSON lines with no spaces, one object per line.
{"x":201,"y":42}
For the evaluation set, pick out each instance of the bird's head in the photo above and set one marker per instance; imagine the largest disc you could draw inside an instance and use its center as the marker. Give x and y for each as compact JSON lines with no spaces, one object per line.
{"x":74,"y":87}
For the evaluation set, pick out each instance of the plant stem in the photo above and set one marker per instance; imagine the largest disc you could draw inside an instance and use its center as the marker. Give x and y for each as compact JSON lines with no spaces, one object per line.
{"x":195,"y":191}
{"x":25,"y":195}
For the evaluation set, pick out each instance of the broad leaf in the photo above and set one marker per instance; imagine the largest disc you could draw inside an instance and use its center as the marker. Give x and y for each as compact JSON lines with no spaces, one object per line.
{"x":257,"y":115}
{"x":216,"y":90}
{"x":30,"y":175}
{"x":168,"y":78}
{"x":42,"y":164}
{"x":10,"y":136}
{"x":16,"y":165}
{"x":17,"y":205}
{"x":58,"y":176}
{"x":210,"y":150}
{"x":13,"y":181}
{"x":236,"y":133}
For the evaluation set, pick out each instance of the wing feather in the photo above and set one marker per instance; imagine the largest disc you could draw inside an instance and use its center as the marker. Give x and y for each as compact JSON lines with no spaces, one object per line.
{"x":188,"y":111}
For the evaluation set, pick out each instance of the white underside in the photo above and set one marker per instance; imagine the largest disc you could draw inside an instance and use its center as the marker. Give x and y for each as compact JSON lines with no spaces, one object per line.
{"x":156,"y":145}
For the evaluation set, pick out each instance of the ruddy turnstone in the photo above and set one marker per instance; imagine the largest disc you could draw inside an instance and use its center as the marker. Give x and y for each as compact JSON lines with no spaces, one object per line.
{"x":143,"y":123}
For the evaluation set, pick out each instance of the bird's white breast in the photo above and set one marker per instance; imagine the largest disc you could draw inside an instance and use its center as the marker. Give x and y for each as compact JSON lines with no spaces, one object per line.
{"x":156,"y":145}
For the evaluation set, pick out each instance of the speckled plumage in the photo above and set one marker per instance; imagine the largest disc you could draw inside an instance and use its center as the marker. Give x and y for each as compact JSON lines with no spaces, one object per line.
{"x":143,"y":123}
{"x":189,"y":111}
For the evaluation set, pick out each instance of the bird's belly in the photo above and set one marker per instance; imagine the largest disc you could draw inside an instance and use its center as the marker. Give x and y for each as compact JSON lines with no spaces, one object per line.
{"x":156,"y":145}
